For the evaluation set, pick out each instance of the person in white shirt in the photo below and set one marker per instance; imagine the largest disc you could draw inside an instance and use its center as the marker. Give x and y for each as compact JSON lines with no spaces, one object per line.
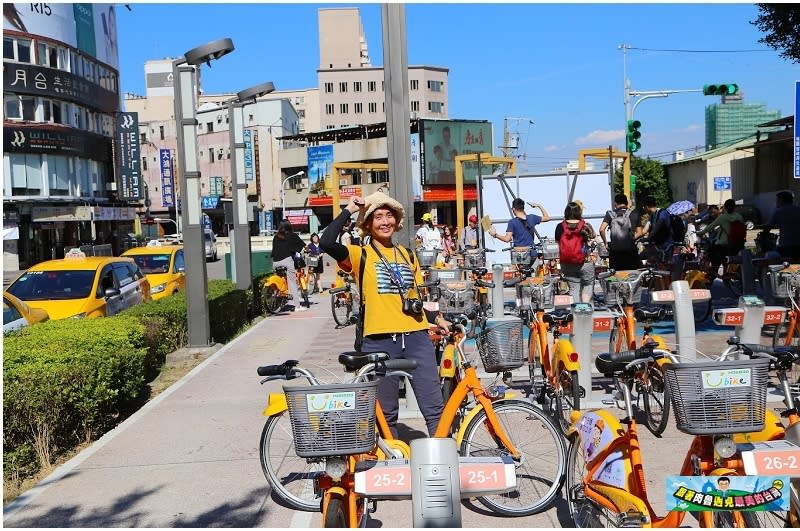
{"x":428,"y":237}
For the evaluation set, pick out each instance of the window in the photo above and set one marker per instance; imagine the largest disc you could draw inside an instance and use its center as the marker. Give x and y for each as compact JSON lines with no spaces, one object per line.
{"x":343,"y":86}
{"x":301,"y":113}
{"x":373,"y":107}
{"x":343,"y":108}
{"x":329,"y":108}
{"x":415,"y":84}
{"x":52,"y":111}
{"x":26,"y":174}
{"x":209,"y":127}
{"x":383,"y":86}
{"x":330,"y":127}
{"x":161,"y":131}
{"x":356,"y":86}
{"x":12,"y":111}
{"x":8,"y":48}
{"x":415,"y":106}
{"x":17,"y":50}
{"x":435,"y":86}
{"x":300,"y":99}
{"x":211,"y":155}
{"x":370,"y":86}
{"x":28,"y":107}
{"x":435,"y":106}
{"x":143,"y":138}
{"x":144,"y":163}
{"x":358,"y":108}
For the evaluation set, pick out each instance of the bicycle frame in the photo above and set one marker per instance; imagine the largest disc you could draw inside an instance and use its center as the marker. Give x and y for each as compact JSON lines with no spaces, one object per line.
{"x":563,"y":352}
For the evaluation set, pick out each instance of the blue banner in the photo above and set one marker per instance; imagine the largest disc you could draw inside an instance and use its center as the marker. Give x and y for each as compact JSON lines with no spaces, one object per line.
{"x":167,"y":178}
{"x":249,"y":174}
{"x":320,"y":167}
{"x":727,"y":493}
{"x":796,"y":132}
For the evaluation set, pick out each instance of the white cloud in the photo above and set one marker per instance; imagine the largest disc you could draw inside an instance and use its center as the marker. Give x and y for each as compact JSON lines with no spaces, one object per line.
{"x":600,"y":137}
{"x":691,"y":128}
{"x":551,"y":148}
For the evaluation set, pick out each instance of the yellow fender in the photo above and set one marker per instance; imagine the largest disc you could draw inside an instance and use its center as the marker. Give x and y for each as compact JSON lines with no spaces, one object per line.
{"x":561,"y":354}
{"x":276,"y":403}
{"x":773,"y":430}
{"x":661,"y":345}
{"x":449,"y":355}
{"x":395,"y":444}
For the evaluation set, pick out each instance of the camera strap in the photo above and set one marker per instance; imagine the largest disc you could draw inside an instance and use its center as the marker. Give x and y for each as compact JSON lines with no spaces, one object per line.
{"x":394,"y":273}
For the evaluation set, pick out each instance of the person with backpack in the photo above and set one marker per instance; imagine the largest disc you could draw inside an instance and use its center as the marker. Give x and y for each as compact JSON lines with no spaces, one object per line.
{"x":521,"y":228}
{"x":623,"y":223}
{"x":732,"y":234}
{"x":573,"y":236}
{"x":786,"y":219}
{"x":660,"y":231}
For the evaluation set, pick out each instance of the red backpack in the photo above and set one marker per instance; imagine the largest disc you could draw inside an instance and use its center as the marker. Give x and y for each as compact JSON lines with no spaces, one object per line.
{"x":571,"y":248}
{"x":737,"y":235}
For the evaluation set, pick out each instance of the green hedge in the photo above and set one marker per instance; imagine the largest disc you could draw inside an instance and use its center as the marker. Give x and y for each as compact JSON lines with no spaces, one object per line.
{"x":68,"y":381}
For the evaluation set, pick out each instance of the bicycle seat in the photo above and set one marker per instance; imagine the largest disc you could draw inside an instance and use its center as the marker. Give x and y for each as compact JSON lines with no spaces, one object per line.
{"x":480,"y":271}
{"x":613,"y":363}
{"x":561,"y":317}
{"x":649,"y":314}
{"x":353,"y":361}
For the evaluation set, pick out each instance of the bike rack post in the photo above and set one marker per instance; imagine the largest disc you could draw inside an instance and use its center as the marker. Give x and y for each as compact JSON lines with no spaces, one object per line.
{"x":498,"y":309}
{"x":684,"y":321}
{"x":750,"y":331}
{"x":748,"y":272}
{"x":582,"y":325}
{"x":435,"y":483}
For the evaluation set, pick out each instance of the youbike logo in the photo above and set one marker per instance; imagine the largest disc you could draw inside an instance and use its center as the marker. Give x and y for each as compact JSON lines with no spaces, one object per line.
{"x":725,"y":378}
{"x":319,"y":402}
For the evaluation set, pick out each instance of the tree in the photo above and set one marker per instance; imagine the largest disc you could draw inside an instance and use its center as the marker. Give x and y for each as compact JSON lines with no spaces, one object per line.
{"x":781,"y":24}
{"x":650,"y":180}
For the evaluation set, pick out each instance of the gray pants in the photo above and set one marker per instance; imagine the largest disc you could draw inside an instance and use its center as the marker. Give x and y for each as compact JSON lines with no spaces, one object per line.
{"x":580,"y":278}
{"x":425,"y":382}
{"x":291,"y":279}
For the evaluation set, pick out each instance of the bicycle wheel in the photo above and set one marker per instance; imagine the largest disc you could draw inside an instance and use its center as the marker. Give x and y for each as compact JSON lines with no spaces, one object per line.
{"x":304,"y":296}
{"x":271,"y":299}
{"x":779,"y":338}
{"x":567,"y":399}
{"x":585,"y":512}
{"x":656,"y":399}
{"x":342,"y":307}
{"x":312,"y":283}
{"x":728,"y":519}
{"x":290,"y":477}
{"x":617,"y":339}
{"x":334,"y":515}
{"x":540,"y":471}
{"x":536,"y":373}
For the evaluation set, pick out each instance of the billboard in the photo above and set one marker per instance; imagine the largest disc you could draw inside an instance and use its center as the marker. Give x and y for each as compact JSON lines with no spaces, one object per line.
{"x":442,"y":140}
{"x":249,"y":175}
{"x":320,"y":169}
{"x":129,"y":180}
{"x":91,"y":28}
{"x":796,"y":132}
{"x":167,"y":178}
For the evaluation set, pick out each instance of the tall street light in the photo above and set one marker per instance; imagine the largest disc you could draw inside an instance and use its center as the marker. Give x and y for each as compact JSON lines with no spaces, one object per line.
{"x":183,"y":73}
{"x":240,"y":242}
{"x":283,"y":193}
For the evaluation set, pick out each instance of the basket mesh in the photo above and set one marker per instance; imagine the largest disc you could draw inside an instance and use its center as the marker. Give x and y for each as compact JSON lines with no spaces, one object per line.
{"x":332,"y":419}
{"x":781,"y":281}
{"x":619,"y":290}
{"x":719,"y":397}
{"x":457,"y":297}
{"x":502,"y":347}
{"x":313,"y":261}
{"x":426,"y":257}
{"x":549,"y":249}
{"x":537,"y":293}
{"x":521,"y":256}
{"x":474,"y":258}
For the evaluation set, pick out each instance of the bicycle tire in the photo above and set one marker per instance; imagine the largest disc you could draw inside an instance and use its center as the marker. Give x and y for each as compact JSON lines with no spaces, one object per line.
{"x":779,"y":339}
{"x":312,"y":283}
{"x":566,"y":404}
{"x":617,"y":331}
{"x":536,"y":373}
{"x":657,"y":398}
{"x":290,"y":477}
{"x":540,"y":473}
{"x":585,"y":513}
{"x":304,"y":295}
{"x":271,"y":299}
{"x":334,"y":515}
{"x":342,"y":307}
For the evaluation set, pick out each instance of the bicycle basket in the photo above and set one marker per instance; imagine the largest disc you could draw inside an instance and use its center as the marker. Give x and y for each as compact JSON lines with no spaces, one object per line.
{"x":313,"y":261}
{"x":502,"y":347}
{"x":549,"y":249}
{"x":621,"y":287}
{"x":334,"y":419}
{"x":780,"y":281}
{"x":537,"y":292}
{"x":427,"y":257}
{"x":457,"y":297}
{"x":474,"y":258}
{"x":521,"y":256}
{"x":719,"y":397}
{"x":445,"y":275}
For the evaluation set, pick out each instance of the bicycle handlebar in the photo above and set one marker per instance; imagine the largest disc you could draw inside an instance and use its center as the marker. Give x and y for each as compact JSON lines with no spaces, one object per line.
{"x":483,"y":283}
{"x":341,"y":289}
{"x":284,"y":369}
{"x":512,"y":282}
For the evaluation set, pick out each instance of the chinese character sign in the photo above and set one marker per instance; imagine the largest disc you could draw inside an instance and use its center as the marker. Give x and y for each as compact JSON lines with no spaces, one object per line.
{"x":443,"y":140}
{"x":796,"y":132}
{"x":167,"y":178}
{"x":249,"y":174}
{"x":727,"y":493}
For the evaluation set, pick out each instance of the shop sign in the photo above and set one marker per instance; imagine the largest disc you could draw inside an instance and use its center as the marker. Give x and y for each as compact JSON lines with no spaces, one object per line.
{"x":61,"y":213}
{"x":114,"y":213}
{"x":23,"y":78}
{"x":167,"y":178}
{"x":249,"y":174}
{"x":47,"y":140}
{"x":129,"y":182}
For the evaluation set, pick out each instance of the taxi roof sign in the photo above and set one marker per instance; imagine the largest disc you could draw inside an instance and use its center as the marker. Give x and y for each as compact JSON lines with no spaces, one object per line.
{"x":75,"y":252}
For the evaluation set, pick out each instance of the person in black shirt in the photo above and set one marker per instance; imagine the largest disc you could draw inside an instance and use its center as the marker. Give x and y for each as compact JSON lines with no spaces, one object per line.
{"x":284,"y":245}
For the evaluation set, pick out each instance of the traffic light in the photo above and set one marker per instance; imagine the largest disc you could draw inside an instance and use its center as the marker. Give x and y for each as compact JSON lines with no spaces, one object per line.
{"x":632,"y":136}
{"x":721,"y":89}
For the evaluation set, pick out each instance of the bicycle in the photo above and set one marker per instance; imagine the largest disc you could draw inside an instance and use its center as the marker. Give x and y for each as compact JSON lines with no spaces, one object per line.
{"x":275,"y":289}
{"x":623,"y":290}
{"x":606,"y":485}
{"x":474,"y":260}
{"x":344,"y":299}
{"x":312,"y":263}
{"x":329,"y":441}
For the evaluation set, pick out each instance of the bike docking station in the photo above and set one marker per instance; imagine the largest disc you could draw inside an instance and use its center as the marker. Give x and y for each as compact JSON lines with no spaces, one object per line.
{"x":749,"y":317}
{"x":435,"y":479}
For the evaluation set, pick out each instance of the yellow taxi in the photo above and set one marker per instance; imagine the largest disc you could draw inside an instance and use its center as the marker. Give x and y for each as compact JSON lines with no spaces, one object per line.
{"x":163,"y":265}
{"x":82,"y":286}
{"x":17,"y":314}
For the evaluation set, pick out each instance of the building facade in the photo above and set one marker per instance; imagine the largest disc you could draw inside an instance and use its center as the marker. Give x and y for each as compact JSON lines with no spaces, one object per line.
{"x":61,"y":103}
{"x":733,"y":120}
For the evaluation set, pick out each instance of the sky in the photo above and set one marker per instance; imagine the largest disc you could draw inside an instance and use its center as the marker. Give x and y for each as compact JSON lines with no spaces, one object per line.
{"x":557,"y":65}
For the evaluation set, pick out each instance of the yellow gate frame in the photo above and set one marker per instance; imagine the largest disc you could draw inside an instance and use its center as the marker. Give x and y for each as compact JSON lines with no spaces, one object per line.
{"x":483,"y":159}
{"x":611,"y":153}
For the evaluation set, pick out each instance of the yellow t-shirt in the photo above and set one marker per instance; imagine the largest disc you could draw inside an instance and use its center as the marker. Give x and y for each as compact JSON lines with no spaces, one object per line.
{"x":383,"y":307}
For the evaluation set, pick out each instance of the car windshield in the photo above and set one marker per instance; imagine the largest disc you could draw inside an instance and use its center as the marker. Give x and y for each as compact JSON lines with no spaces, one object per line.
{"x":50,"y":285}
{"x":152,"y":263}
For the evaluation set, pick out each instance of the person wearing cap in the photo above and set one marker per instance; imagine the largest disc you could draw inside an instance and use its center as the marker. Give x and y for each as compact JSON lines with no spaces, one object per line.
{"x":520,"y":228}
{"x":388,"y":275}
{"x":428,"y":237}
{"x":469,"y":234}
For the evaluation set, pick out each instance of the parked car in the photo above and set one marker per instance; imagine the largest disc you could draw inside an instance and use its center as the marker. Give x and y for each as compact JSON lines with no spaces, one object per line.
{"x":17,"y":314}
{"x":163,"y":265}
{"x":211,"y":245}
{"x":81,"y":286}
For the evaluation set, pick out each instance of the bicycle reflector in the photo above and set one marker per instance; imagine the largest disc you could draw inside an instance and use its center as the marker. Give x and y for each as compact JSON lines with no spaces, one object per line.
{"x":447,"y":363}
{"x":573,"y":357}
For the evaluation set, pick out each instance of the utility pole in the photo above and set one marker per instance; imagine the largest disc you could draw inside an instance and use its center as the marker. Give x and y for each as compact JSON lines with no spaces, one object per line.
{"x":510,"y":147}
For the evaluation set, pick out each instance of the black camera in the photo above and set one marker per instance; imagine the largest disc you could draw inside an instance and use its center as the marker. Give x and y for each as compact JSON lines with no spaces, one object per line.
{"x":412,"y":305}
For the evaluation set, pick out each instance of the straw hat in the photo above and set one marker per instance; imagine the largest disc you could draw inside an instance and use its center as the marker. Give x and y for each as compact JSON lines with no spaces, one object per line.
{"x":377,"y":200}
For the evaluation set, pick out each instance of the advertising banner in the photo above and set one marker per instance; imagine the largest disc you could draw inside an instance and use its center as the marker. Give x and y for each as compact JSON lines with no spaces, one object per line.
{"x":320,"y":168}
{"x":416,"y":171}
{"x":129,"y":179}
{"x":41,"y":81}
{"x":53,"y":140}
{"x":167,"y":178}
{"x":796,"y":132}
{"x":249,"y":174}
{"x":442,"y":140}
{"x":726,"y":493}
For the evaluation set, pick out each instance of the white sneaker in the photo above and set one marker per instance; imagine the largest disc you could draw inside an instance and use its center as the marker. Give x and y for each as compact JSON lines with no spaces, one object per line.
{"x":300,"y":309}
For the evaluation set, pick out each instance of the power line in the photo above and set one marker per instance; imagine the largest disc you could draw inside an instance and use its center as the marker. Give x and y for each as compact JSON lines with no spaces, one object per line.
{"x":696,"y":51}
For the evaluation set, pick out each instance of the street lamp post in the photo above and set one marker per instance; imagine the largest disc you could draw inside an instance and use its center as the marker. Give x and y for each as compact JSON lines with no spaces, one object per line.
{"x":183,"y":73}
{"x":283,"y":193}
{"x":240,"y":241}
{"x":168,"y":220}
